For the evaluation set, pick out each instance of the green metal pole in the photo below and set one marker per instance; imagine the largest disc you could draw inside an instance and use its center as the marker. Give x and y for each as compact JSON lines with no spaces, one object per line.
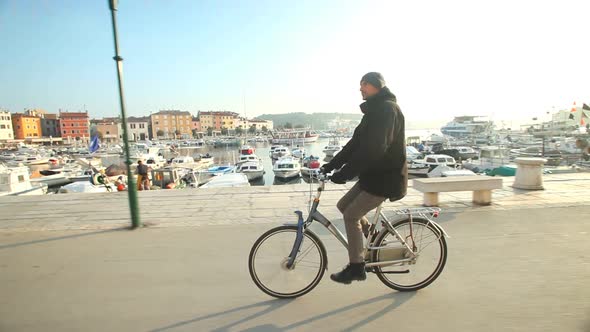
{"x":131,"y":187}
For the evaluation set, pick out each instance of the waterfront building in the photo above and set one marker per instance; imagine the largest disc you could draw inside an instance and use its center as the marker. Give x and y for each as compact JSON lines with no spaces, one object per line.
{"x":261,"y":123}
{"x":74,"y":126}
{"x":218,"y":120}
{"x":171,"y":124}
{"x":26,"y":126}
{"x":50,"y":125}
{"x":6,"y":131}
{"x":138,"y":128}
{"x":108,"y":129}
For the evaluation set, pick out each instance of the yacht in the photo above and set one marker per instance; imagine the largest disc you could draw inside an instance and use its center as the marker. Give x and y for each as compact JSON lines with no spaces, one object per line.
{"x":466,"y":126}
{"x":287,"y":167}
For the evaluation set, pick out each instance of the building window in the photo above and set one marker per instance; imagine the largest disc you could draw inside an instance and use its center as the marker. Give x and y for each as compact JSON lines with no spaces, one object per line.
{"x":65,"y":132}
{"x":72,"y":124}
{"x":108,"y":132}
{"x":2,"y":126}
{"x":73,"y":132}
{"x":63,"y":124}
{"x":141,"y":125}
{"x":28,"y":127}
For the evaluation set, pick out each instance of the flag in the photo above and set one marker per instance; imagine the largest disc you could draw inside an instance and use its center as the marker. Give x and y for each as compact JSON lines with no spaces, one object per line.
{"x":586,"y":107}
{"x":94,"y":144}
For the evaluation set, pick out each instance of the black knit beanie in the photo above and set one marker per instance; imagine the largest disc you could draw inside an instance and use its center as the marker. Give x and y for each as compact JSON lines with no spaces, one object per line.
{"x":375,"y":79}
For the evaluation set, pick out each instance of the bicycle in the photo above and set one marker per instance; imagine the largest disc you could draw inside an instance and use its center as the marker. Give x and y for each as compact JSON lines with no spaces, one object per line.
{"x":289,"y":261}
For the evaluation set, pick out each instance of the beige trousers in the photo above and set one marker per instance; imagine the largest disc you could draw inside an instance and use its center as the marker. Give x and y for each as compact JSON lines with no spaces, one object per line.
{"x":354,"y":205}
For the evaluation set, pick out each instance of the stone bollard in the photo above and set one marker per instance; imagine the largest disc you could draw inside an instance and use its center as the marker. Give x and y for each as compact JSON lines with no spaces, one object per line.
{"x":529,"y":174}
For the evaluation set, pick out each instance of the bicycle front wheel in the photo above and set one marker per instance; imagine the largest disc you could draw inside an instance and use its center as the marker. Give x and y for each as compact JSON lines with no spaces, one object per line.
{"x":430,"y":247}
{"x":268,"y":262}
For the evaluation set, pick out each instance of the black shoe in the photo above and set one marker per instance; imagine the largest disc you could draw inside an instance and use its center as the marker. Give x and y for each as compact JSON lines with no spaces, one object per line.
{"x":352,"y":271}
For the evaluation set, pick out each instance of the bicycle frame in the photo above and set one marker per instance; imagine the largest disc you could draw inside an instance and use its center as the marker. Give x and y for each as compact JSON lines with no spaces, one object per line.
{"x":315,"y":215}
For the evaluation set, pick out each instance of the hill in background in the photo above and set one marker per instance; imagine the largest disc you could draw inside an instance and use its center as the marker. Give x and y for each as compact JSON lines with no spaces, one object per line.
{"x":321,"y":121}
{"x":318,"y":121}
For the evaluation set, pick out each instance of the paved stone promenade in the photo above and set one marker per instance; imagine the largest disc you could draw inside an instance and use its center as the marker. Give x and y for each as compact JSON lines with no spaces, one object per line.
{"x":252,"y":205}
{"x":66,"y":264}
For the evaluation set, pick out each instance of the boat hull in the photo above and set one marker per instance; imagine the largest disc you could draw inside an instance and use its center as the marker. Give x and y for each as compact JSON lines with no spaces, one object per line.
{"x":286,"y":174}
{"x":254,"y":175}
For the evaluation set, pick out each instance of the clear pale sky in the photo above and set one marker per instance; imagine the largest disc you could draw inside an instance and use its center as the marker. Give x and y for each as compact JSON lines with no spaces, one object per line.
{"x":510,"y":60}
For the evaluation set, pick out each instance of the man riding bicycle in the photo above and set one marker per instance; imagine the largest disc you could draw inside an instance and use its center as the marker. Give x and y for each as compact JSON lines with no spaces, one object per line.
{"x":376,"y":153}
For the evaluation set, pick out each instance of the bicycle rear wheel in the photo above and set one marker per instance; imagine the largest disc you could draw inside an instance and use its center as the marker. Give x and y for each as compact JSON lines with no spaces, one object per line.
{"x":268,"y":262}
{"x":430,"y":245}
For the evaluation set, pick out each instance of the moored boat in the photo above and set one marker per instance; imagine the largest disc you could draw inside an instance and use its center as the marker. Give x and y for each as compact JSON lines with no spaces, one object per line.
{"x":287,"y":167}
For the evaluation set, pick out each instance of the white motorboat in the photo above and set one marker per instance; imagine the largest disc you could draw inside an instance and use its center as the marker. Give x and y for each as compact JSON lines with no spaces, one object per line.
{"x":287,"y":167}
{"x":432,"y":165}
{"x":280,"y":152}
{"x":7,"y":155}
{"x":182,"y":160}
{"x":490,"y":157}
{"x":248,"y":157}
{"x":298,"y":152}
{"x":332,"y":148}
{"x":246,"y":150}
{"x":412,"y":153}
{"x":310,"y":166}
{"x":228,"y":180}
{"x":15,"y":181}
{"x":86,"y":187}
{"x":253,"y":169}
{"x":51,"y":177}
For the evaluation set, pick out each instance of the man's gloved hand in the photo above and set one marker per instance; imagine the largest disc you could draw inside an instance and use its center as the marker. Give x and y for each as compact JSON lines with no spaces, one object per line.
{"x":338,"y":178}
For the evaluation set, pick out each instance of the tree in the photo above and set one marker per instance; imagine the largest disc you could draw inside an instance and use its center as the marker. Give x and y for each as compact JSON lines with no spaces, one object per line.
{"x":160,"y":133}
{"x":264,"y":129}
{"x":223,"y":131}
{"x":288,"y":125}
{"x":252,"y":129}
{"x":299,"y":126}
{"x":210,"y":131}
{"x":195,"y":133}
{"x":177,"y":132}
{"x":239,"y":131}
{"x":100,"y":135}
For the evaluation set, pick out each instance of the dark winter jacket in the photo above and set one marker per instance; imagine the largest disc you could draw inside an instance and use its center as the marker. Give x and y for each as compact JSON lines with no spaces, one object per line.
{"x":376,"y":153}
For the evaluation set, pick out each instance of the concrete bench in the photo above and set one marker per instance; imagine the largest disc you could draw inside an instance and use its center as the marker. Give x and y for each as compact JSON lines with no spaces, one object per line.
{"x":481,"y":186}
